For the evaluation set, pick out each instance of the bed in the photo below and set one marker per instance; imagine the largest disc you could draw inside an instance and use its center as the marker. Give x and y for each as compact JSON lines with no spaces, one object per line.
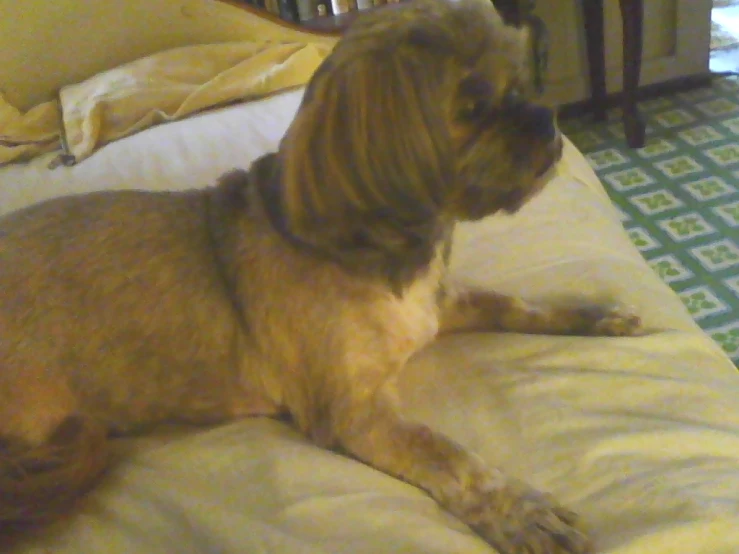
{"x":640,"y":435}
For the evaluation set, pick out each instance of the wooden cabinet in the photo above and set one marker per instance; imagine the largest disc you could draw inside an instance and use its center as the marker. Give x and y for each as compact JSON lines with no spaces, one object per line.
{"x":676,"y":38}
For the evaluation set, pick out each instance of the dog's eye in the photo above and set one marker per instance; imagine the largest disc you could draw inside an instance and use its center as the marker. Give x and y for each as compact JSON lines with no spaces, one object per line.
{"x":474,"y":109}
{"x":476,"y":97}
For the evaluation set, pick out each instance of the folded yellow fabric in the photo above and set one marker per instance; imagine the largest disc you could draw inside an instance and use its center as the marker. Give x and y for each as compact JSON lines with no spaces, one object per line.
{"x":177,"y":83}
{"x":23,"y":136}
{"x":162,"y":87}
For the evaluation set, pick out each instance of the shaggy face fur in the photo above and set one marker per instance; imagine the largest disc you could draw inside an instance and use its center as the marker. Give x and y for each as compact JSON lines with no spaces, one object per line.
{"x":428,"y":124}
{"x":299,"y":287}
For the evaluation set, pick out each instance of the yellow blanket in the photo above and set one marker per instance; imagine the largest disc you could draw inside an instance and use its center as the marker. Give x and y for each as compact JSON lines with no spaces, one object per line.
{"x":162,"y":87}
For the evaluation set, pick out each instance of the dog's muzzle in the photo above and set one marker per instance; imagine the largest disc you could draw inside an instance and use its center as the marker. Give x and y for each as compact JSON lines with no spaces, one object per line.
{"x":538,"y":122}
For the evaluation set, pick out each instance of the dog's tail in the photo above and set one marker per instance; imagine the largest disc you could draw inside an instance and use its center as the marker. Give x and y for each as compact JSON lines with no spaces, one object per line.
{"x":39,"y":483}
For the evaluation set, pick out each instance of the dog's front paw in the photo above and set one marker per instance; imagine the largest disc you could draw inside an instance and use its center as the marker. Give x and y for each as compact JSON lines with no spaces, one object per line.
{"x":521,"y":520}
{"x":610,"y":321}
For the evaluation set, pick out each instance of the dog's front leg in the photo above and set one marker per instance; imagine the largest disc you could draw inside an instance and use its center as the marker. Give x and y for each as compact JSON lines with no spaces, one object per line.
{"x":485,"y":311}
{"x":510,"y":515}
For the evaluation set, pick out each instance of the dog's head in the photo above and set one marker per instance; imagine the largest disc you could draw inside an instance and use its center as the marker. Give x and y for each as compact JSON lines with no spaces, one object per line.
{"x":420,"y":111}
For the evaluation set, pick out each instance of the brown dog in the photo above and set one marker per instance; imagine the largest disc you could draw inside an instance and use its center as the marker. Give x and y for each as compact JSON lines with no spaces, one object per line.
{"x":301,"y":286}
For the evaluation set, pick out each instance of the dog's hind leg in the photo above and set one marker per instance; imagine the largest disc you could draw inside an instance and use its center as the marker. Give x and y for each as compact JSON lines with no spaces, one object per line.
{"x":48,"y":457}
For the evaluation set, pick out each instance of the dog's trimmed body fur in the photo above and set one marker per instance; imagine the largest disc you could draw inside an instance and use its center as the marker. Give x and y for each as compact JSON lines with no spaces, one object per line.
{"x":301,"y":286}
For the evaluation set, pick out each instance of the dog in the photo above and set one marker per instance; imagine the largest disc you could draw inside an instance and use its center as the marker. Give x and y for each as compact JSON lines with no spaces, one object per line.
{"x":300,"y":286}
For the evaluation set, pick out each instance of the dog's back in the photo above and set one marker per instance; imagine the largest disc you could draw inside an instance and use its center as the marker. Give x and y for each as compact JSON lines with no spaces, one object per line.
{"x":103,"y":295}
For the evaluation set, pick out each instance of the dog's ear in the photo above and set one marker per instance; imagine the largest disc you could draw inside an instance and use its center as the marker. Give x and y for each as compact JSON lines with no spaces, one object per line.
{"x":369,"y":137}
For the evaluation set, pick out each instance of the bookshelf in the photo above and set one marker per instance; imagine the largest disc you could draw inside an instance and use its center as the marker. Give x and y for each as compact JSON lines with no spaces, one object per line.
{"x":337,"y":23}
{"x":334,"y":16}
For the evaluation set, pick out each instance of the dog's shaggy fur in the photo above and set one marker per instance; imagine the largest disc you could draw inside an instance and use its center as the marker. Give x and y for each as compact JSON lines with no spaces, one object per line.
{"x":300,"y":287}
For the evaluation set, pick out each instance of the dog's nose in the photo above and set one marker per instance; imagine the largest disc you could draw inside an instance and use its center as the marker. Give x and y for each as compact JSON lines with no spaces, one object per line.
{"x":538,"y":121}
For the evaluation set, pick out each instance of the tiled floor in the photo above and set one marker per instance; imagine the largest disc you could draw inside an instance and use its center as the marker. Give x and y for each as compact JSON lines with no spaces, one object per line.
{"x":679,"y":196}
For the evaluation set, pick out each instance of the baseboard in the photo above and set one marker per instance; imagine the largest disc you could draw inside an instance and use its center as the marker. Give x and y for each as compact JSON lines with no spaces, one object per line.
{"x":671,"y":86}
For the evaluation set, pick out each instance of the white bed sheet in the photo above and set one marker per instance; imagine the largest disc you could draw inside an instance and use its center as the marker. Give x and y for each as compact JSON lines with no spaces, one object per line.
{"x":640,"y":435}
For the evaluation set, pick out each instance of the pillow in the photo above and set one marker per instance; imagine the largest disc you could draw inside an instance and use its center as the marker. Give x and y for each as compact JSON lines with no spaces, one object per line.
{"x":162,"y":87}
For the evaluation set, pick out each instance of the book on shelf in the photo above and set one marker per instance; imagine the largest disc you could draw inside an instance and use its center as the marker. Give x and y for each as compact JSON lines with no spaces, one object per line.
{"x":343,"y":6}
{"x":298,"y":11}
{"x":310,"y":9}
{"x":256,"y":3}
{"x":271,"y":6}
{"x":289,"y":10}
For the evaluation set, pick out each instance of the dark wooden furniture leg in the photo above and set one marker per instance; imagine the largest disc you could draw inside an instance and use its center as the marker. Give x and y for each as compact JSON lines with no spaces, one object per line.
{"x":593,"y":16}
{"x":632,"y":14}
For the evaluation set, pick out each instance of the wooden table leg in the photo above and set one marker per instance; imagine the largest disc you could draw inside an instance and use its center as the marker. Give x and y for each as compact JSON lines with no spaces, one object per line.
{"x":593,"y":16}
{"x":632,"y":15}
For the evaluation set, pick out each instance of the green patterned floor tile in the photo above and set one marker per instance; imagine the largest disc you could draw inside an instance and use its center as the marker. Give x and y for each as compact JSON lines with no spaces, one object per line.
{"x":709,"y":188}
{"x":702,"y":302}
{"x":679,"y":196}
{"x":729,"y":213}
